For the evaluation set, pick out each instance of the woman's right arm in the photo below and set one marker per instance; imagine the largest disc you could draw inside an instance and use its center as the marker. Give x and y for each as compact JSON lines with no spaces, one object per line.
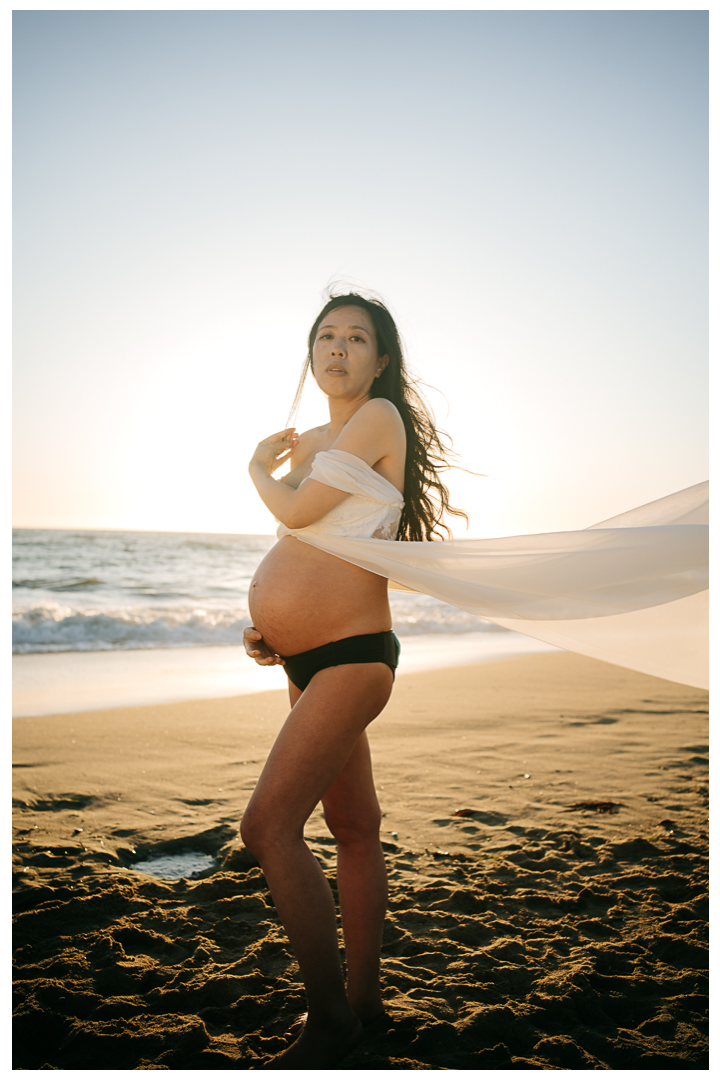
{"x":295,"y":508}
{"x":375,"y":432}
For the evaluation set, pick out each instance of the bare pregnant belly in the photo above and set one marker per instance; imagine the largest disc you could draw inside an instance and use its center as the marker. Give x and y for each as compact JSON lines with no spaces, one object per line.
{"x":302,"y":597}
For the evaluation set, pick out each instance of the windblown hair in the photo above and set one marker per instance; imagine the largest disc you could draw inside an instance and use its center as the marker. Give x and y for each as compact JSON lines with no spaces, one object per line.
{"x":429,"y":450}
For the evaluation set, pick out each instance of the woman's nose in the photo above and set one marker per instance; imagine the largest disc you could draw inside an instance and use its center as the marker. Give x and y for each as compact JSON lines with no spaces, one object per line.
{"x":337,"y":350}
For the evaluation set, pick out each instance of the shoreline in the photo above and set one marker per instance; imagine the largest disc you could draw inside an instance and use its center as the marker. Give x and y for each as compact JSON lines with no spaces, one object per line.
{"x":77,"y":681}
{"x":527,"y":932}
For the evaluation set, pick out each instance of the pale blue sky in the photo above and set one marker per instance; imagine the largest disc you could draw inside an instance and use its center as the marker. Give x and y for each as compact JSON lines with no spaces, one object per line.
{"x":526,"y":189}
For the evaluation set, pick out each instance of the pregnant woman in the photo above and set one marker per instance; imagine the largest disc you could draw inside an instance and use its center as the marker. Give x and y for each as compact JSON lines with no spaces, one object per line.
{"x":372,"y":471}
{"x":631,"y":590}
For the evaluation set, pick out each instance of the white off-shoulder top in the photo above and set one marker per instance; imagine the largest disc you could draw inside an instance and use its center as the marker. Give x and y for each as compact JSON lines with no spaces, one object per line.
{"x":374,"y":506}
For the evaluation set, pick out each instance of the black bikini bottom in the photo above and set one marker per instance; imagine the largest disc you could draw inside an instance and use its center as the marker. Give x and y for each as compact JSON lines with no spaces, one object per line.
{"x":382,"y":648}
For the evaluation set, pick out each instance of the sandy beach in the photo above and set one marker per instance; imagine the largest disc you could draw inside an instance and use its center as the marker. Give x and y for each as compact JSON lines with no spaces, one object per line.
{"x":545,"y":826}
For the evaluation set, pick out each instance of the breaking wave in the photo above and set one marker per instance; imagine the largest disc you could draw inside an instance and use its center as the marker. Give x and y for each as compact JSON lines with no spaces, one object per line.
{"x":52,"y":628}
{"x":47,"y":629}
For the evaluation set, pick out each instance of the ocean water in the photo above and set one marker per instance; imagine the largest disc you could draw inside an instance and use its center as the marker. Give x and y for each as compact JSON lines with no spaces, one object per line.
{"x":94,"y":591}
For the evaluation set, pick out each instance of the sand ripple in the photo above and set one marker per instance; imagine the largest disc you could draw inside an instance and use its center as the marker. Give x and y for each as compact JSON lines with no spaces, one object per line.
{"x":558,"y":950}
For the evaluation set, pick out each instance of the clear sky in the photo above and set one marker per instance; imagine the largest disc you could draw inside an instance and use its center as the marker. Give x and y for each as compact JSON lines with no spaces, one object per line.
{"x":526,"y":189}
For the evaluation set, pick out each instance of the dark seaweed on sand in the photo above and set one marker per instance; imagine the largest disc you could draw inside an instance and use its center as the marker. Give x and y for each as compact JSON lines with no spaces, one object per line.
{"x":561,"y":950}
{"x":599,"y":807}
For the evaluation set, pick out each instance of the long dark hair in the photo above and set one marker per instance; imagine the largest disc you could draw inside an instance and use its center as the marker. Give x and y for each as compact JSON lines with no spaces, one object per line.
{"x":429,"y":450}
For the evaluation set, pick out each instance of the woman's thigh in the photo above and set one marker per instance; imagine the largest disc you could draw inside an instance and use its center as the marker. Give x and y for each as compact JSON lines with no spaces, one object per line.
{"x":316,"y":743}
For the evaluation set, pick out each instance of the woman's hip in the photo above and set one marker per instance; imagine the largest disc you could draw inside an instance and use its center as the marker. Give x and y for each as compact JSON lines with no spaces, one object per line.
{"x":381,"y":647}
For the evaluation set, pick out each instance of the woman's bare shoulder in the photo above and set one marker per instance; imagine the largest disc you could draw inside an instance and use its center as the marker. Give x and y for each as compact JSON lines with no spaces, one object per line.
{"x":378,"y":413}
{"x":380,"y":406}
{"x":375,"y":431}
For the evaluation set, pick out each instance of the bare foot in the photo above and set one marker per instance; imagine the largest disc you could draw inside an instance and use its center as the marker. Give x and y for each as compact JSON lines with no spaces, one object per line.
{"x":298,"y":1025}
{"x":319,"y":1047}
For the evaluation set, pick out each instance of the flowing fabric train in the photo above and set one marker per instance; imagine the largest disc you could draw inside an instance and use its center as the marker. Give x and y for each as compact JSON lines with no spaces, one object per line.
{"x":632,"y":590}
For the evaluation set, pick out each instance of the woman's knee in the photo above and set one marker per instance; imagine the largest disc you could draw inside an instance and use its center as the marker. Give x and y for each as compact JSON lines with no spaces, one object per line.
{"x":353,"y":824}
{"x":251,"y":832}
{"x":259,"y":831}
{"x":264,"y":828}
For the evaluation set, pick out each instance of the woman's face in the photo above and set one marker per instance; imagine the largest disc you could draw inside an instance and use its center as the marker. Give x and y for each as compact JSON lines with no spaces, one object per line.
{"x":345,"y":354}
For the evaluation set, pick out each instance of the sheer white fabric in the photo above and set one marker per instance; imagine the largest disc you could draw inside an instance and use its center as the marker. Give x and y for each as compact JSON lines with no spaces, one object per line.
{"x":631,"y":590}
{"x":374,"y":506}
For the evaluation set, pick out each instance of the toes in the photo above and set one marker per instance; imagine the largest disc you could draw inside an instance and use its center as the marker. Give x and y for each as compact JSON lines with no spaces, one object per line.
{"x":296,"y":1027}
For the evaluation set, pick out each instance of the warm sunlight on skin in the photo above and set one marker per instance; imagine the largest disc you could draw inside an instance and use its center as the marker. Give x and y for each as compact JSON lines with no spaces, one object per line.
{"x":345,"y":355}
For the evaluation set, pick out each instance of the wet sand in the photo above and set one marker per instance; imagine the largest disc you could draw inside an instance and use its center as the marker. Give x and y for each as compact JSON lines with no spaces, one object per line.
{"x":51,"y":683}
{"x":527,"y":932}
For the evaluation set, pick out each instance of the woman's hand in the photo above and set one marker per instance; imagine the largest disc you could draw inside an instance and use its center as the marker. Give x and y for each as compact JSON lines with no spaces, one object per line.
{"x":258,"y":650}
{"x":274,"y":451}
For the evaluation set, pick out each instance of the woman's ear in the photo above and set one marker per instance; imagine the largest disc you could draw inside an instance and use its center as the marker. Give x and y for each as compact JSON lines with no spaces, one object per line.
{"x":383,"y":362}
